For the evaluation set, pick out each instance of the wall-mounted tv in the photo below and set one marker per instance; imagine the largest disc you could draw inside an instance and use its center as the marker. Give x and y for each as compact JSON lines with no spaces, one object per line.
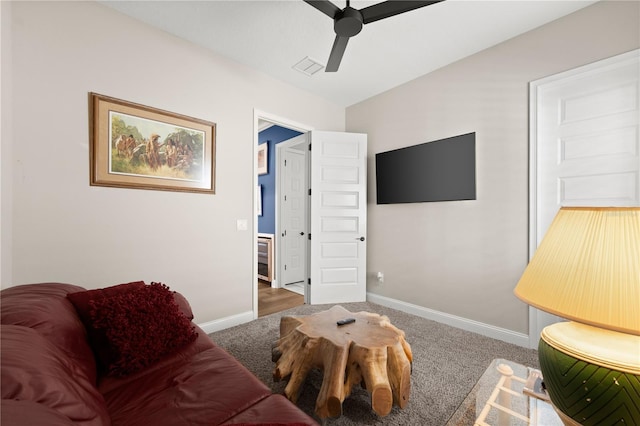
{"x":442,"y":170}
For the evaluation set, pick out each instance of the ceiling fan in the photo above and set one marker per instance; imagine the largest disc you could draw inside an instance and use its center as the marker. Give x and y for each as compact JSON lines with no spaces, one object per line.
{"x":348,"y":22}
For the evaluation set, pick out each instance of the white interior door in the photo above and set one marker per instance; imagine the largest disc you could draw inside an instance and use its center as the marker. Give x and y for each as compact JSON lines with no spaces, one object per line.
{"x":586,"y":142}
{"x":338,"y":217}
{"x":293,"y":203}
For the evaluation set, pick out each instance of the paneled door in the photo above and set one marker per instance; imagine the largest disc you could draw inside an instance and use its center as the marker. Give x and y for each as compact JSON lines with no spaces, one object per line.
{"x":338,"y":217}
{"x":294,"y":216}
{"x":585,"y":146}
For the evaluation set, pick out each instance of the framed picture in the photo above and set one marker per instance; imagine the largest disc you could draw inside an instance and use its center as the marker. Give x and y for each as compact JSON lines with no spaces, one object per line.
{"x":136,"y":146}
{"x":263,"y":158}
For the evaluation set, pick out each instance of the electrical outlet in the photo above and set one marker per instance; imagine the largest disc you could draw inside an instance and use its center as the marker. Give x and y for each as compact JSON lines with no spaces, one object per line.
{"x":380,"y":277}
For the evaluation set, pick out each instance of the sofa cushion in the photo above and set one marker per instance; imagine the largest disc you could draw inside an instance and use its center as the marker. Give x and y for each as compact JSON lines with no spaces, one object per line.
{"x":34,"y":369}
{"x":275,"y":410}
{"x":141,"y":326}
{"x":282,"y":423}
{"x":46,"y":309}
{"x":203,"y":388}
{"x":20,"y":412}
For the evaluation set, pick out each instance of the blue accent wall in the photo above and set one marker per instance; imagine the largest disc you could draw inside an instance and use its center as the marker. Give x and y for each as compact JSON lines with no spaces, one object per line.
{"x":272,"y":136}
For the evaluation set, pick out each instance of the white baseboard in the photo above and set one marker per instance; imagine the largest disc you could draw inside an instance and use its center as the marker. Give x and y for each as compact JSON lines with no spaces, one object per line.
{"x":226,"y":322}
{"x":494,"y":332}
{"x":488,"y":330}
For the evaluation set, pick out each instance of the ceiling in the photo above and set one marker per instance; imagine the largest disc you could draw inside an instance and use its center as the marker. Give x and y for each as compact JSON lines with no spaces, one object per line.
{"x":273,"y":35}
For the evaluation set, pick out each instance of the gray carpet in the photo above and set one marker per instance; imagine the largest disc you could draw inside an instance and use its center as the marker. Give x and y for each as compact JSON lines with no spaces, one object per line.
{"x":447,"y":363}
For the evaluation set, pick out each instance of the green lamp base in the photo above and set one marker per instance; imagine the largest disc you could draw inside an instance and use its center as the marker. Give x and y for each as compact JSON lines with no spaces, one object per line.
{"x":592,"y":375}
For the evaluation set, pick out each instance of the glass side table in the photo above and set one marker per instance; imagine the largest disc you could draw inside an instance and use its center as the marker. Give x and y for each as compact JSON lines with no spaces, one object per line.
{"x":501,"y":400}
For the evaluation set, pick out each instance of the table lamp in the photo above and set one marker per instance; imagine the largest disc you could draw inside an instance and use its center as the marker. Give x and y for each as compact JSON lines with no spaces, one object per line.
{"x":587,"y":270}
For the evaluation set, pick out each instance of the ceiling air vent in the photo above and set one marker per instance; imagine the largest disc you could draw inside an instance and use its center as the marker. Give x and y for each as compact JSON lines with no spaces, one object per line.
{"x":308,"y":66}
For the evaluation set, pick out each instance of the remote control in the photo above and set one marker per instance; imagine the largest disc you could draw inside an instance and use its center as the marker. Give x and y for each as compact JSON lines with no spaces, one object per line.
{"x":345,"y":321}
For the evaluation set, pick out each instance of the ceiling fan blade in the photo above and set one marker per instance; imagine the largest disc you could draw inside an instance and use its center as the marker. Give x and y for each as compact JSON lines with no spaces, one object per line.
{"x":324,"y":6}
{"x":339,"y":45}
{"x":392,"y":7}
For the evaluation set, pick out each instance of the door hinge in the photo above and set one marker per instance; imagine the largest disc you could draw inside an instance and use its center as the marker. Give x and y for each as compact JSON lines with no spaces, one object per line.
{"x":309,"y":234}
{"x":285,"y":163}
{"x":285,"y":198}
{"x":309,"y":191}
{"x":285,"y":267}
{"x":309,"y":281}
{"x":309,"y":147}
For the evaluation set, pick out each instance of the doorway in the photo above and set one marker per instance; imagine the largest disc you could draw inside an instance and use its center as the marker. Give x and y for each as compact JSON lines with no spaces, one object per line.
{"x":287,"y":227}
{"x":337,"y":214}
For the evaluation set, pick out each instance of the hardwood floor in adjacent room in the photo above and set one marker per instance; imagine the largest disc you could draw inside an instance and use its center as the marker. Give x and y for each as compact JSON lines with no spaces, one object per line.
{"x":271,"y":300}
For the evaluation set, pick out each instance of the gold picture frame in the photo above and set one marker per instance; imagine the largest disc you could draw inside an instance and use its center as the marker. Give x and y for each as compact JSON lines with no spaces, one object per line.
{"x":136,"y":146}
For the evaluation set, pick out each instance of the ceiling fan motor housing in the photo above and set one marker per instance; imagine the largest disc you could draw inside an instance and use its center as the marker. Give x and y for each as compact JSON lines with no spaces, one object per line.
{"x":348,"y":22}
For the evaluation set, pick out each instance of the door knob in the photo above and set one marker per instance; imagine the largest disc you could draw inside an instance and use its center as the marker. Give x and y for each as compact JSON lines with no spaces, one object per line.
{"x":361,"y":238}
{"x":301,"y":233}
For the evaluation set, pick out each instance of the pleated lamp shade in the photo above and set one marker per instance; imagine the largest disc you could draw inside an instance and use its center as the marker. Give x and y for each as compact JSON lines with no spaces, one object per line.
{"x":587,"y":268}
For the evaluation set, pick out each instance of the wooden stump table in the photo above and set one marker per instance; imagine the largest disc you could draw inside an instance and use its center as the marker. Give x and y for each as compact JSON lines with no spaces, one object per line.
{"x":370,"y":351}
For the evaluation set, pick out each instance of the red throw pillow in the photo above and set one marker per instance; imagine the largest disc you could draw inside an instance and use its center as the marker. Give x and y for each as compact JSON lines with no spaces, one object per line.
{"x":97,"y":337}
{"x":142,"y":326}
{"x":82,"y":299}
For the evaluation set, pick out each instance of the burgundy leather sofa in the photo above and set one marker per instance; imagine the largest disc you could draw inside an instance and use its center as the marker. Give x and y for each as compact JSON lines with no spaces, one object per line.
{"x":50,"y":374}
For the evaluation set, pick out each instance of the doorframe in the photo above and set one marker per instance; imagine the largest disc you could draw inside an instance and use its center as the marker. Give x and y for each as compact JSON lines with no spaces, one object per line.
{"x":534,"y":88}
{"x":279,"y":121}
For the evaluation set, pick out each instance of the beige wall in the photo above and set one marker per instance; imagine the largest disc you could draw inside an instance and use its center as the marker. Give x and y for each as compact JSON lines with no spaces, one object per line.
{"x":65,"y":230}
{"x":464,"y":258}
{"x":5,"y":143}
{"x":460,"y":258}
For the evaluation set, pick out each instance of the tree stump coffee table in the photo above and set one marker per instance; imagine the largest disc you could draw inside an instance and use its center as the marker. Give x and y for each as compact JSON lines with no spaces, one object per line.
{"x":370,"y":351}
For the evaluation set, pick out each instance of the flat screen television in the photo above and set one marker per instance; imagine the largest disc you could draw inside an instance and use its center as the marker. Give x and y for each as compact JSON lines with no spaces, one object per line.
{"x":442,"y":170}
